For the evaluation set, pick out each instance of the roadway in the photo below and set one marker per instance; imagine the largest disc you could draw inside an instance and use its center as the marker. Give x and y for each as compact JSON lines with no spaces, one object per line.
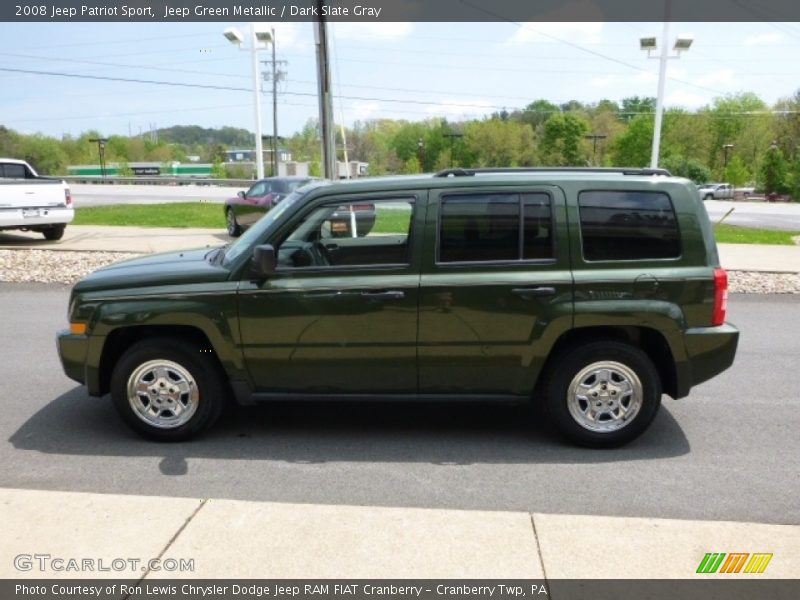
{"x":750,"y":214}
{"x":728,"y":452}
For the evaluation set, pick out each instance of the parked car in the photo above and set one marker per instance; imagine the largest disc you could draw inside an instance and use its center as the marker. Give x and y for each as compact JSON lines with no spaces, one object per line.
{"x":590,"y":291}
{"x":29,"y":202}
{"x":248,"y":207}
{"x":716,"y":191}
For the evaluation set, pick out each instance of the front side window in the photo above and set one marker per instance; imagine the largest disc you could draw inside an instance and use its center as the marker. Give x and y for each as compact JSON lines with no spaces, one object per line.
{"x":258,"y":190}
{"x":495,"y":227}
{"x":361,"y":233}
{"x":628,"y":226}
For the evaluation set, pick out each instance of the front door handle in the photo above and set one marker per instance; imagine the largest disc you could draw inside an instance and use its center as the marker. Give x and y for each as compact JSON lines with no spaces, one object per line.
{"x":534,"y":292}
{"x":387,"y":295}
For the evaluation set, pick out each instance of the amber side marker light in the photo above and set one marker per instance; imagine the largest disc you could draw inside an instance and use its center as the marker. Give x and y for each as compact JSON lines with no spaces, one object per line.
{"x":77,"y":328}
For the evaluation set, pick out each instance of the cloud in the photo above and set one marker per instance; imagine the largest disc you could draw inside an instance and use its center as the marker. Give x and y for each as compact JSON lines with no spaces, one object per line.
{"x":360,"y":111}
{"x":373,"y":32}
{"x":580,"y":33}
{"x":458,"y":109}
{"x":603,"y":81}
{"x":763,"y":39}
{"x":723,"y":77}
{"x":686,"y":99}
{"x":288,"y":36}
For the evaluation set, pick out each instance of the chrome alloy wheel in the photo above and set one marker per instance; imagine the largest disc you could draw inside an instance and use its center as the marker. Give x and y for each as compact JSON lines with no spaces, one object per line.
{"x":163,"y":394}
{"x":604,"y":396}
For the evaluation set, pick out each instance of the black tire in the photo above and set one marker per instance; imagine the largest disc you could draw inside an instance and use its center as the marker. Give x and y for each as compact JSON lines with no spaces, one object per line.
{"x":625,"y":360}
{"x":708,"y":197}
{"x":208,"y":393}
{"x":234,"y":229}
{"x":56,"y":232}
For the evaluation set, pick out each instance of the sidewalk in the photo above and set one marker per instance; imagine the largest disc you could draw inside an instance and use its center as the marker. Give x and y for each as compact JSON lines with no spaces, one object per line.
{"x":734,"y":257}
{"x":236,"y":539}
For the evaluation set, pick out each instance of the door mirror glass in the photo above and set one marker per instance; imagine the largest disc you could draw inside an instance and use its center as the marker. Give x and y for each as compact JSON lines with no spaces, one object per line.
{"x":264,"y":261}
{"x":240,"y":193}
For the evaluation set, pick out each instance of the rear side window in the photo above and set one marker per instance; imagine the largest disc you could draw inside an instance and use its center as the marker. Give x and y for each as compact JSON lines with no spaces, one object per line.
{"x":495,"y":227}
{"x":628,"y":226}
{"x":12,"y":171}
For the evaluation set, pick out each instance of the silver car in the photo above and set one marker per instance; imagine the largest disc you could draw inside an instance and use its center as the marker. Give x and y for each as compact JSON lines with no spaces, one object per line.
{"x":716,"y":191}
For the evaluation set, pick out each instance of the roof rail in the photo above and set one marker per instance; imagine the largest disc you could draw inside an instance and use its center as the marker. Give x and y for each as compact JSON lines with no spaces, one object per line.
{"x":622,"y":170}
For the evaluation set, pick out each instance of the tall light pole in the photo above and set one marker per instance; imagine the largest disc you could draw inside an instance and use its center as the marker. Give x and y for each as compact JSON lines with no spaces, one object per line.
{"x":234,"y":36}
{"x":682,"y":43}
{"x":101,"y":150}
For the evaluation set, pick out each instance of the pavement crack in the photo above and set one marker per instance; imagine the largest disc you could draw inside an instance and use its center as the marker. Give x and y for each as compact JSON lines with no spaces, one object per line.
{"x":171,"y":541}
{"x":539,"y":552}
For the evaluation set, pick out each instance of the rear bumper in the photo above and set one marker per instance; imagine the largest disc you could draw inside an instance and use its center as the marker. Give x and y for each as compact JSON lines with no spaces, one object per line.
{"x":30,"y":217}
{"x":709,"y":351}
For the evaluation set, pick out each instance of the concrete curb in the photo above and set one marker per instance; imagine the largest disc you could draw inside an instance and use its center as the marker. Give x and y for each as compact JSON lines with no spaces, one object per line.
{"x":237,"y":539}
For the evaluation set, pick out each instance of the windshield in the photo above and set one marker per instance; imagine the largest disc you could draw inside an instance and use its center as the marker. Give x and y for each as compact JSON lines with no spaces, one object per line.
{"x":250,"y":236}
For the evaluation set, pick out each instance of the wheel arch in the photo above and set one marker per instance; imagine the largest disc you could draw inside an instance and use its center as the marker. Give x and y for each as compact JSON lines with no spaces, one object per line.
{"x":650,"y":341}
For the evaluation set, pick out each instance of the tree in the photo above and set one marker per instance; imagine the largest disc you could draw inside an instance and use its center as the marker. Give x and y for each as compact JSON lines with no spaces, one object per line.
{"x":563,"y":138}
{"x":633,"y":106}
{"x":773,"y":172}
{"x":736,"y":172}
{"x":632,"y":148}
{"x":690,"y":168}
{"x":538,"y":111}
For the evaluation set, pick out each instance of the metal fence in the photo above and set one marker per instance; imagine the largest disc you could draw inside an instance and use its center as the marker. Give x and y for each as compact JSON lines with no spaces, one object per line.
{"x":160,"y":180}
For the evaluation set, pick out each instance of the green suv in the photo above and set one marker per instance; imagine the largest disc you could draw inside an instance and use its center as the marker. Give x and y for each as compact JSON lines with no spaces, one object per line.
{"x":593,"y":291}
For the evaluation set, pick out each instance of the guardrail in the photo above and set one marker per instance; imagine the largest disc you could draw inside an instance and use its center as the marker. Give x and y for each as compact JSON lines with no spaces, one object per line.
{"x":157,"y":181}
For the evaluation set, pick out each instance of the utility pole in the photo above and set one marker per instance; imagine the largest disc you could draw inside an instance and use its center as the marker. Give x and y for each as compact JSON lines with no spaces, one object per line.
{"x":594,"y":137}
{"x":325,"y":98}
{"x":275,"y":75}
{"x":452,"y":135}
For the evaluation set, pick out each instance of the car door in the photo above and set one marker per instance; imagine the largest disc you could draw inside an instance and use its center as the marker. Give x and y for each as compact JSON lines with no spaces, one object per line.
{"x":251,"y":209}
{"x":496,"y":289}
{"x":339,"y":316}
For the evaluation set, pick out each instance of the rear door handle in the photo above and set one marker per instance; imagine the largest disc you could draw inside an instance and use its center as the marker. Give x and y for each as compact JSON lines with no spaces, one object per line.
{"x":387,"y":295}
{"x":534,"y":292}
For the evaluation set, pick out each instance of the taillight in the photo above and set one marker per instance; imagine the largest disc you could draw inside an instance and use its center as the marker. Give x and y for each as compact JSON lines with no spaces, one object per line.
{"x":68,"y":197}
{"x":720,"y":297}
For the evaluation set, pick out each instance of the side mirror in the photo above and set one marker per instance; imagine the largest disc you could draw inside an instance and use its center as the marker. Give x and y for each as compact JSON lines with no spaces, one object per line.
{"x":264,"y":261}
{"x":240,"y":193}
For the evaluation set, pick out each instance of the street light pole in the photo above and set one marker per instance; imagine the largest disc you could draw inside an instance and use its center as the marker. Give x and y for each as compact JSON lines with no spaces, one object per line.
{"x":725,"y":148}
{"x":259,"y":158}
{"x":325,"y":100}
{"x":101,"y":151}
{"x":274,"y":109}
{"x":662,"y":75}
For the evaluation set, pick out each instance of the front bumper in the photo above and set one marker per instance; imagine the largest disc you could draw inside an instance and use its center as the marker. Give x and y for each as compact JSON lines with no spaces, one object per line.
{"x":73,"y":351}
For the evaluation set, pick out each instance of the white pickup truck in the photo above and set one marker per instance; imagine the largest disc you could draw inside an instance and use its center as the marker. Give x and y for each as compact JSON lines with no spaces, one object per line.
{"x":33,"y":203}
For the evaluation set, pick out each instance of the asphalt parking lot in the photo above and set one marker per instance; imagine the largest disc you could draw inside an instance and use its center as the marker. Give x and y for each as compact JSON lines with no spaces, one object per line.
{"x":729,"y":452}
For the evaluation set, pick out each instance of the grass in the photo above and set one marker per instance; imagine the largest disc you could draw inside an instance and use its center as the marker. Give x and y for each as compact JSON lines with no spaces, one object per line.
{"x":180,"y":214}
{"x":210,"y":215}
{"x":733,"y":234}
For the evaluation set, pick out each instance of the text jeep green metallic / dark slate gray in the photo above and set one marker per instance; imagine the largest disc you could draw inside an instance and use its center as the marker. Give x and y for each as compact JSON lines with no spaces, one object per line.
{"x":593,"y":291}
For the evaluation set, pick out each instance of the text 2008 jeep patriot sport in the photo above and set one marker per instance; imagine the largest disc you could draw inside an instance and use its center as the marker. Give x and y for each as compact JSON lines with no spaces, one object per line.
{"x":593,"y":291}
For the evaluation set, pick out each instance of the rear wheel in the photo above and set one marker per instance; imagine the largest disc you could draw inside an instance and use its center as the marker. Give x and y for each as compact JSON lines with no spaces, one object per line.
{"x":56,"y":232}
{"x":603,"y":394}
{"x":234,"y":229}
{"x":167,"y":390}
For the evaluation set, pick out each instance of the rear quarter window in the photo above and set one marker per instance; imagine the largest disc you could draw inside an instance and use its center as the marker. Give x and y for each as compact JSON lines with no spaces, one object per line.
{"x":628,"y":225}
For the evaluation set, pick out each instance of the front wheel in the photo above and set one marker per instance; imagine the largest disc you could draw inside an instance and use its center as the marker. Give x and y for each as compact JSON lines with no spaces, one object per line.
{"x":167,"y":390}
{"x":603,"y":394}
{"x":234,"y":229}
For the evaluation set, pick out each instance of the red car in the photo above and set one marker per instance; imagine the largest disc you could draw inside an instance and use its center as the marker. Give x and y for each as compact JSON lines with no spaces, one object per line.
{"x":248,"y":207}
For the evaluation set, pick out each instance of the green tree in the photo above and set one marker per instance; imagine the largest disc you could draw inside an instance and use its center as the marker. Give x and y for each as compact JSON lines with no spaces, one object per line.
{"x":563,"y":140}
{"x":737,"y":172}
{"x":634,"y":106}
{"x":773,"y":172}
{"x":690,"y":168}
{"x":632,"y":148}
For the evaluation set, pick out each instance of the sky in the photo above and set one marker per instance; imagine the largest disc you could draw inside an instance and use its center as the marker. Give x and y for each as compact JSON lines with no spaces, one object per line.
{"x":411,"y":71}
